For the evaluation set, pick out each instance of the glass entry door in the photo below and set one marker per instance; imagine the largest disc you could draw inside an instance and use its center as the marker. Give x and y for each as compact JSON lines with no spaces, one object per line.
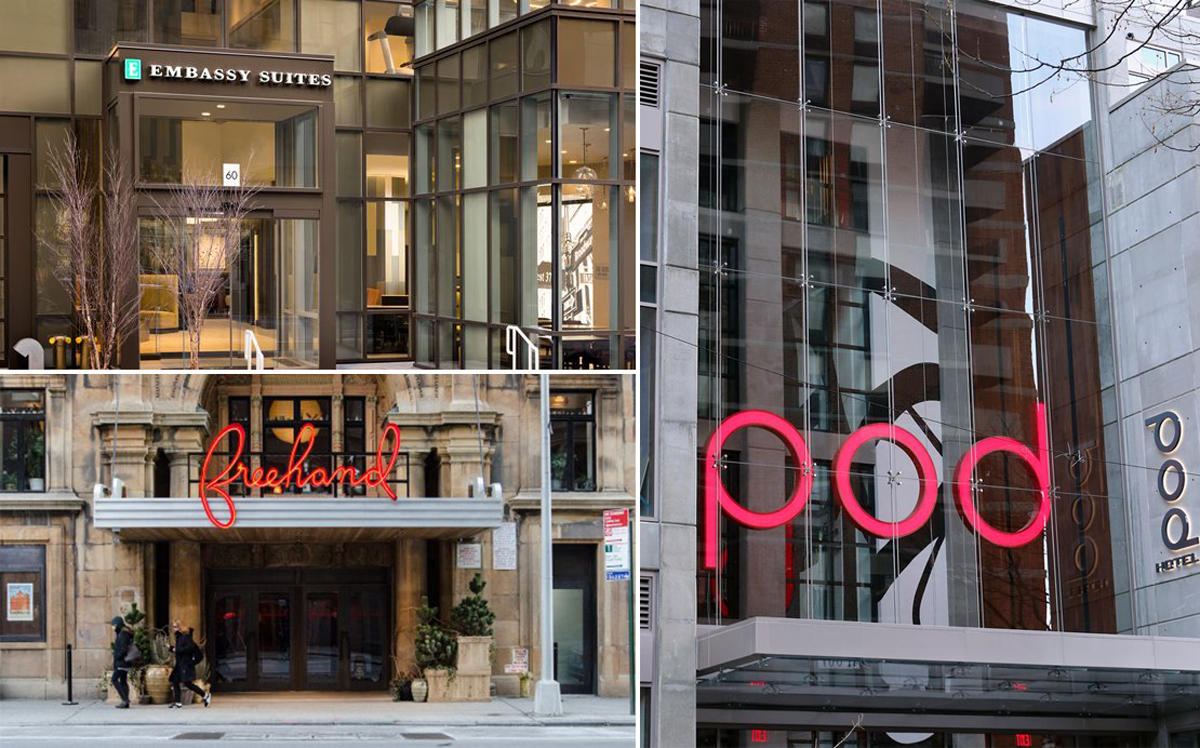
{"x":299,"y":629}
{"x":267,"y":287}
{"x":575,"y":617}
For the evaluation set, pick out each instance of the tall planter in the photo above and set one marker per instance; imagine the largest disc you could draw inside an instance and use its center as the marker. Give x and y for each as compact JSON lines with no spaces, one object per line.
{"x":438,"y":682}
{"x":475,"y":654}
{"x":473,"y":619}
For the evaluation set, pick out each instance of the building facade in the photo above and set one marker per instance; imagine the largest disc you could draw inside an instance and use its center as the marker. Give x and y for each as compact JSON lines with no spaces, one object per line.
{"x":266,"y":594}
{"x":936,"y":420}
{"x":425,"y":177}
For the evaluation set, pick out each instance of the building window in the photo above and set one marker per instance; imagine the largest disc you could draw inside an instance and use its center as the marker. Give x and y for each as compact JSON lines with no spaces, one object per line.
{"x":268,"y":25}
{"x":572,"y":441}
{"x":23,"y":434}
{"x":389,"y":53}
{"x":23,"y":583}
{"x":193,"y":23}
{"x":1149,"y":62}
{"x":189,"y":141}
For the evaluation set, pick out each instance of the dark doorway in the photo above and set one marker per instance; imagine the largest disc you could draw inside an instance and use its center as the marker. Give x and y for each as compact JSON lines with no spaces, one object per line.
{"x":299,"y":629}
{"x":575,"y":617}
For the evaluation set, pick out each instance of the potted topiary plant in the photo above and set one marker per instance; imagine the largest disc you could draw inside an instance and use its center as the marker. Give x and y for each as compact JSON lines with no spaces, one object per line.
{"x":473,"y":619}
{"x":435,"y":650}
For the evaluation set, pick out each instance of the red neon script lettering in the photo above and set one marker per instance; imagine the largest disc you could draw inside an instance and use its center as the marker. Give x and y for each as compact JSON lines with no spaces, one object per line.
{"x":717,"y":499}
{"x":236,"y":471}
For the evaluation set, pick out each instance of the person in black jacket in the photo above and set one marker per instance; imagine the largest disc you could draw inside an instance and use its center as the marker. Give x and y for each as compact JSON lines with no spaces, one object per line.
{"x":120,"y":676}
{"x":187,"y":656}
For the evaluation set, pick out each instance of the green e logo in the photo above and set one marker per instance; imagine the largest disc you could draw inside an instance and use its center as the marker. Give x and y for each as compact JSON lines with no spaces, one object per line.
{"x":133,"y":69}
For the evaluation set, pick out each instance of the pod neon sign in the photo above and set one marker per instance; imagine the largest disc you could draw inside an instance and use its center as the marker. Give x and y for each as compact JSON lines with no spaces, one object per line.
{"x":717,"y":499}
{"x":236,"y":471}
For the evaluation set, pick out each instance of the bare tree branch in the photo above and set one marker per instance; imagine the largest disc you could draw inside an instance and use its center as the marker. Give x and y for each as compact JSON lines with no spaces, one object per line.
{"x":96,"y":244}
{"x":205,"y":226}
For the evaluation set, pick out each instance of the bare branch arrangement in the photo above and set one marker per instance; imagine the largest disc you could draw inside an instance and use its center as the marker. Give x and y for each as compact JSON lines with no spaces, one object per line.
{"x":96,"y":243}
{"x":205,"y":231}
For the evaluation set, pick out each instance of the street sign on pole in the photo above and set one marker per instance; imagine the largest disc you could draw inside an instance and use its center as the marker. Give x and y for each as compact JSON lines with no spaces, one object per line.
{"x":616,"y":544}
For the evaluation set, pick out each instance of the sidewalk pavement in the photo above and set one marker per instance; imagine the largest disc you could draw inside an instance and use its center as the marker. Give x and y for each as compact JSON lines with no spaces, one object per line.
{"x":301,"y":708}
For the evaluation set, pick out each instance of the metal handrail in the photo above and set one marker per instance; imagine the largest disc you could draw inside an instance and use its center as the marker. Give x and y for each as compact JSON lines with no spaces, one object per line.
{"x":251,"y":344}
{"x":511,"y":335}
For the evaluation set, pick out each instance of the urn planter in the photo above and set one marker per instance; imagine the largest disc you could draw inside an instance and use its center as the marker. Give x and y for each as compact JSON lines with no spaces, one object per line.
{"x":419,"y":690}
{"x":158,"y":683}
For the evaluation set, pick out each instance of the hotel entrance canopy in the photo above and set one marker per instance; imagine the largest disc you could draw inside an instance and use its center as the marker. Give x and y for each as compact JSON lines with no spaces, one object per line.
{"x":298,"y":517}
{"x":774,"y":672}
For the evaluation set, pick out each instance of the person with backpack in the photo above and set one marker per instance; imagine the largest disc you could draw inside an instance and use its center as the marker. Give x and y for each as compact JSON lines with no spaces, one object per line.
{"x":187,"y":656}
{"x":123,"y":650}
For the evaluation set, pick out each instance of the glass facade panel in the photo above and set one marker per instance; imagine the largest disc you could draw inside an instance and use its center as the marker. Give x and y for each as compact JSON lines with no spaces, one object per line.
{"x":387,"y":103}
{"x":99,"y":24}
{"x":587,"y":277}
{"x":193,"y":23}
{"x":349,"y":254}
{"x":347,"y":101}
{"x":190,"y":140}
{"x":447,"y":84}
{"x":856,"y":274}
{"x":537,"y":147}
{"x":504,"y":148}
{"x":331,"y":27}
{"x":475,"y":141}
{"x":589,"y":135}
{"x":447,"y":22}
{"x":535,"y":56}
{"x":474,"y":17}
{"x":386,"y":53}
{"x":502,"y":52}
{"x":474,"y":76}
{"x":385,"y":266}
{"x":587,"y":53}
{"x":267,"y":25}
{"x":509,"y":264}
{"x":449,"y":154}
{"x":387,"y":164}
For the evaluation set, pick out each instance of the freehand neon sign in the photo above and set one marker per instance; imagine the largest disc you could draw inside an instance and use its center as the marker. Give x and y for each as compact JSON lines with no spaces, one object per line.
{"x":717,"y":499}
{"x":236,"y":471}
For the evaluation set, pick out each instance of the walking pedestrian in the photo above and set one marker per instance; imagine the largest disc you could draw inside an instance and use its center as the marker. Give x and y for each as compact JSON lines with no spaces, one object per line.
{"x":120,"y":676}
{"x":187,"y":656}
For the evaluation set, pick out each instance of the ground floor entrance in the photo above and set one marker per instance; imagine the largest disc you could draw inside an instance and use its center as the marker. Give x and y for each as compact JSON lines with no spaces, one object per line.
{"x":298,"y":629}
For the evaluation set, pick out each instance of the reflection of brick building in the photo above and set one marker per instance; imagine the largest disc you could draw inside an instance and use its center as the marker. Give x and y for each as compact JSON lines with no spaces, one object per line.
{"x":315,"y":588}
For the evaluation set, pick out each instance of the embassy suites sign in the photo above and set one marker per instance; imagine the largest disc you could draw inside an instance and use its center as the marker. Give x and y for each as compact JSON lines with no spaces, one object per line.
{"x":134,"y":70}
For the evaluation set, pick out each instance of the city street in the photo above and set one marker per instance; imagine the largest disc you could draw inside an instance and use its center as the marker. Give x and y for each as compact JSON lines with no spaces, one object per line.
{"x":270,"y":719}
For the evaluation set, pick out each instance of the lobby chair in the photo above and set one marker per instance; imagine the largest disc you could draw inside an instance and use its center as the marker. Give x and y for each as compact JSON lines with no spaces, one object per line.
{"x":159,"y":306}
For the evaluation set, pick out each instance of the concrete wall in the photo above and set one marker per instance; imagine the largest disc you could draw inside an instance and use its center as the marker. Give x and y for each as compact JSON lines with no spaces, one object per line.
{"x":1152,"y":178}
{"x":670,"y":35}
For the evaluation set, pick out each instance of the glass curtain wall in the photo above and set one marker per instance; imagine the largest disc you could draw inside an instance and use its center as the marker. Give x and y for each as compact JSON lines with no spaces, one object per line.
{"x":374,"y":122}
{"x":524,"y":210}
{"x":864,"y":263}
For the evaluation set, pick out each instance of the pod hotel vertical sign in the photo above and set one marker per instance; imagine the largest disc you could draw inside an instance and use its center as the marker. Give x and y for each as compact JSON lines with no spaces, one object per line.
{"x":1170,"y":483}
